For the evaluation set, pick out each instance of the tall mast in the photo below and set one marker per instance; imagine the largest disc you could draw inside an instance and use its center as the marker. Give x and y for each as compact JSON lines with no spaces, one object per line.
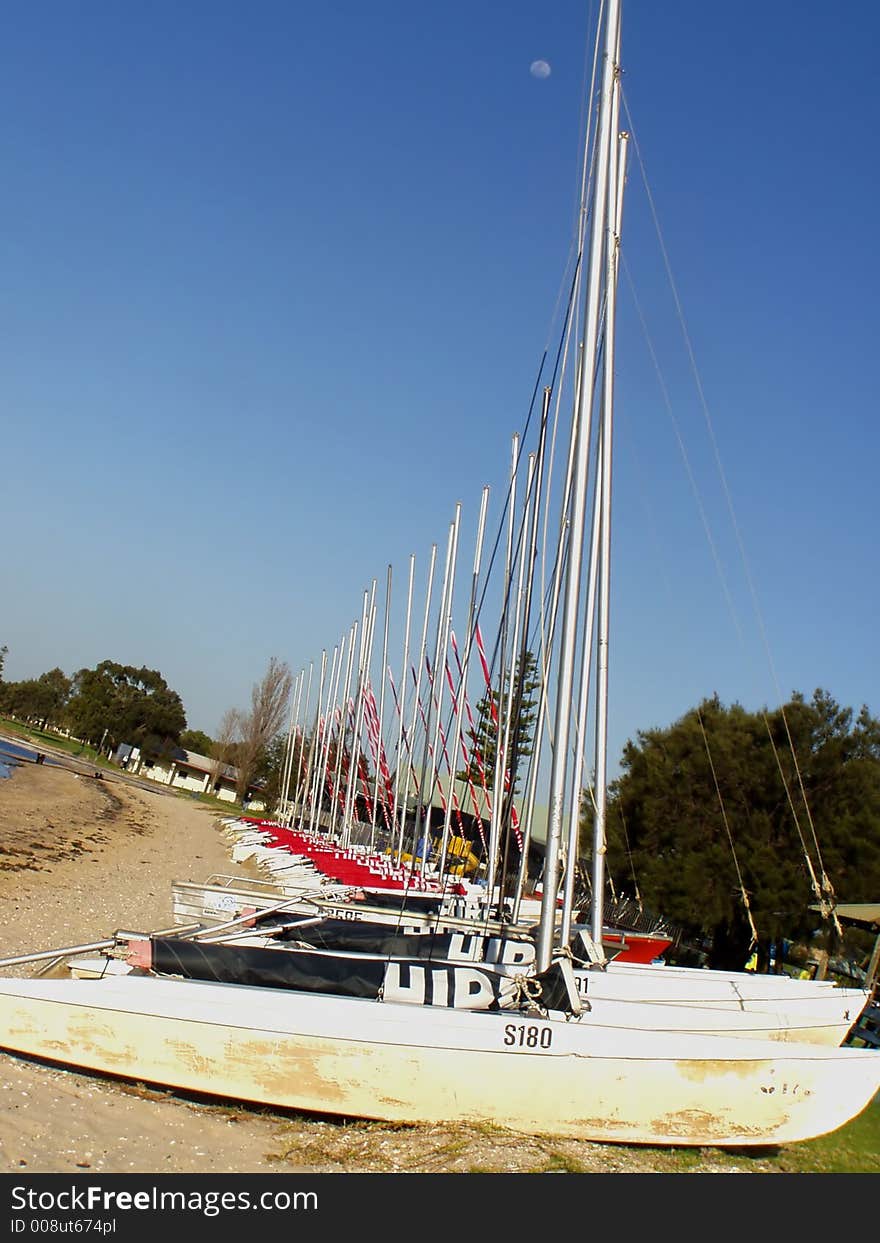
{"x":289,"y":749}
{"x":549,"y":617}
{"x":342,"y":707}
{"x":298,"y":795}
{"x":409,"y":597}
{"x":321,"y":767}
{"x":364,"y":661}
{"x":500,"y":754}
{"x":530,"y":579}
{"x":418,"y":683}
{"x":461,"y":691}
{"x":317,"y":741}
{"x":578,"y":750}
{"x":513,"y":707}
{"x":426,"y":792}
{"x":615,"y":210}
{"x":582,"y":432}
{"x":380,"y":722}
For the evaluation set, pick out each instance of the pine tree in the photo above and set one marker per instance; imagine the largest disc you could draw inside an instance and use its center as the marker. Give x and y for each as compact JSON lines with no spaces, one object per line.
{"x":483,"y":738}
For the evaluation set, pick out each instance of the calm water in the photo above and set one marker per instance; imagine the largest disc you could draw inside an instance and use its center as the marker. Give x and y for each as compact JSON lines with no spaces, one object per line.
{"x":11,"y":753}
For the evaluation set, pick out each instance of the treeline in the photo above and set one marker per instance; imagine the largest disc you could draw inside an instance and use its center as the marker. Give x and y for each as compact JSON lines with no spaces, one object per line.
{"x":104,"y":706}
{"x":114,"y":704}
{"x":728,"y":816}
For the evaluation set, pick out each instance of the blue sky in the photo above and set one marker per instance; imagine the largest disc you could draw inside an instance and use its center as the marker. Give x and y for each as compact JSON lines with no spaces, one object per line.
{"x":276,"y":283}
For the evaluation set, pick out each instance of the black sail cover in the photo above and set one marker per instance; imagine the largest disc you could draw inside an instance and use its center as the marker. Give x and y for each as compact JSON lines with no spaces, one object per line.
{"x":402,"y":900}
{"x":269,"y":968}
{"x":334,"y":934}
{"x":406,"y":942}
{"x":457,"y":986}
{"x":365,"y":938}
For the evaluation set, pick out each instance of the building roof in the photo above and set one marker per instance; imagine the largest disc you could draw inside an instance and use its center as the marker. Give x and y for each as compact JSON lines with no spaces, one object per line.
{"x":866,"y":913}
{"x":203,"y":763}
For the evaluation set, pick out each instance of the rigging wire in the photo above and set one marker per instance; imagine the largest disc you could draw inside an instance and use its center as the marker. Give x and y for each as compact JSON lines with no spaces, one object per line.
{"x":629,"y":855}
{"x":501,"y":521}
{"x":825,"y":890}
{"x":742,"y":888}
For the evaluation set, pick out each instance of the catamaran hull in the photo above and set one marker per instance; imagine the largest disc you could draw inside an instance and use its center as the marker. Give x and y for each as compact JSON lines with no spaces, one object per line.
{"x":812,"y":1014}
{"x":822,"y":1020}
{"x":755,"y":1006}
{"x":399,"y":1063}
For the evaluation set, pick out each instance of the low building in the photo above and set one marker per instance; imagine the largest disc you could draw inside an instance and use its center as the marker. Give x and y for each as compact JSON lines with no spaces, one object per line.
{"x":187,"y":770}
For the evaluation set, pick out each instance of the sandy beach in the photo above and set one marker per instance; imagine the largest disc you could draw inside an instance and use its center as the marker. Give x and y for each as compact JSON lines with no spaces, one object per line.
{"x":81,"y":858}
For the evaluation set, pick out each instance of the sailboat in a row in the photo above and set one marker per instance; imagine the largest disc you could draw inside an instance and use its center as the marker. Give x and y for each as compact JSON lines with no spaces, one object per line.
{"x":425,"y":926}
{"x":527,"y":1039}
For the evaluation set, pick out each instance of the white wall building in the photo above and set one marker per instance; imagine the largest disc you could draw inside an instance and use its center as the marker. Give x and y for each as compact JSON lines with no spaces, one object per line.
{"x":187,"y":770}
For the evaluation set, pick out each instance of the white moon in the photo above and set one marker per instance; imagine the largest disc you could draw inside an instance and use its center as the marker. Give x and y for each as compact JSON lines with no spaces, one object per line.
{"x":539,"y":69}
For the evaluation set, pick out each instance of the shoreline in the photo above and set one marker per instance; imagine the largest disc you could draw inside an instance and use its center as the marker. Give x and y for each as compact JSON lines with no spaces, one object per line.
{"x":79,"y":859}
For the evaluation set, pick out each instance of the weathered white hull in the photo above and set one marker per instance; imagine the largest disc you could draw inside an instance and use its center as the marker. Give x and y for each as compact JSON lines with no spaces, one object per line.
{"x":822,"y":1020}
{"x":745,"y":983}
{"x":656,"y":998}
{"x":405,"y":1063}
{"x":813,"y":1016}
{"x":802,"y":1009}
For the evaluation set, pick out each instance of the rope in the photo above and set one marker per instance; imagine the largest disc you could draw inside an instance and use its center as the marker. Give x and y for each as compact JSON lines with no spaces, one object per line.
{"x":742,"y":888}
{"x":629,"y":855}
{"x":824,"y":893}
{"x":527,"y":994}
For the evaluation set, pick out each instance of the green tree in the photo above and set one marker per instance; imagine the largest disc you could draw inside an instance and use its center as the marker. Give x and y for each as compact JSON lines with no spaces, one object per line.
{"x":41,"y":700}
{"x":119,"y":703}
{"x":483,"y":738}
{"x":722,"y":787}
{"x":198,"y":741}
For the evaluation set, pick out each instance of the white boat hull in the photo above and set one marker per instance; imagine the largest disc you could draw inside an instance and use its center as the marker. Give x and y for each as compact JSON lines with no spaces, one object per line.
{"x":781,"y":1008}
{"x":402,"y":1063}
{"x":801,"y":1009}
{"x":700,"y":1005}
{"x":822,"y":1020}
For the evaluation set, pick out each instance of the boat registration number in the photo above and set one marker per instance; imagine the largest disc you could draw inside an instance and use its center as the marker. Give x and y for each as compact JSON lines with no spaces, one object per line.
{"x":528,"y":1037}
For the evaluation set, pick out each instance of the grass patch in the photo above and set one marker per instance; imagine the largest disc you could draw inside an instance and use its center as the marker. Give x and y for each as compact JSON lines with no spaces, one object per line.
{"x":71,"y":746}
{"x":81,"y":751}
{"x":854,"y":1149}
{"x":561,"y":1163}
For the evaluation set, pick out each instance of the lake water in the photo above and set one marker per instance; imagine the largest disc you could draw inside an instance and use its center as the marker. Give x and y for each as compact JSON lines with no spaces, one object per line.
{"x":12,"y":753}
